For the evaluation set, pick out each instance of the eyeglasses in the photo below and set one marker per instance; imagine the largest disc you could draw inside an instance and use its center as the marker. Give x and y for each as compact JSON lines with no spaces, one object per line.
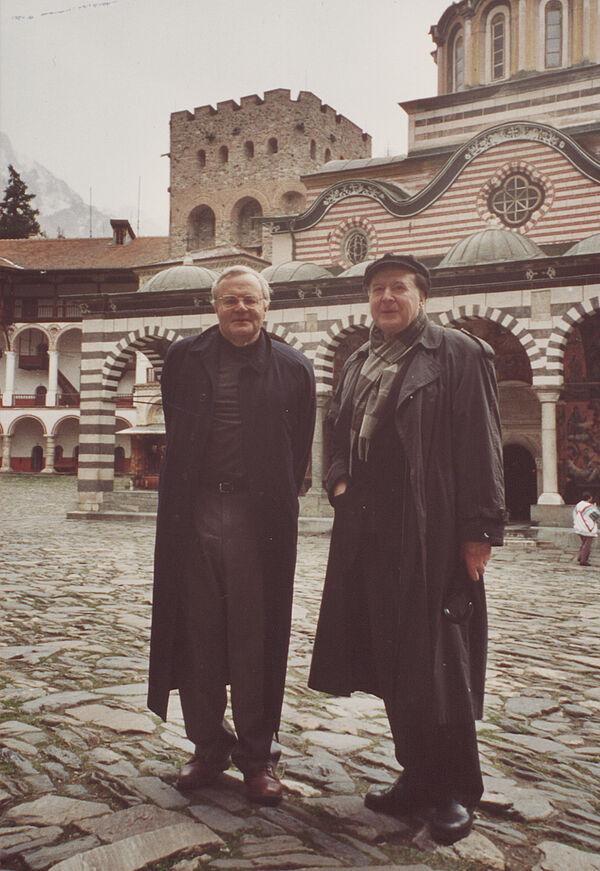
{"x":247,"y":300}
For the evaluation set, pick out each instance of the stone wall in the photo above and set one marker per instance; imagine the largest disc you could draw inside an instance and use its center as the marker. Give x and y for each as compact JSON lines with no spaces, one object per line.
{"x":232,"y":163}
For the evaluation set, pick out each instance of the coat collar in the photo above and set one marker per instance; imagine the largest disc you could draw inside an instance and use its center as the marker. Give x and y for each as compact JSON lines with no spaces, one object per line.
{"x":208,"y":342}
{"x":430,"y":338}
{"x":423,"y":368}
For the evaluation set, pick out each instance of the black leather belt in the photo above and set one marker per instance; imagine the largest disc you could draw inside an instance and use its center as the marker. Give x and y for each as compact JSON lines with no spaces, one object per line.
{"x":226,"y":486}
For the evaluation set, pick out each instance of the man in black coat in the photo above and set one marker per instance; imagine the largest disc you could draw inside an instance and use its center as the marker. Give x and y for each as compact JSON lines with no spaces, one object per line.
{"x":416,"y":481}
{"x":239,"y":411}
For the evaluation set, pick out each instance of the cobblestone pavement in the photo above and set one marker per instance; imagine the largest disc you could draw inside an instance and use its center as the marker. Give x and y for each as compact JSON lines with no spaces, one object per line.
{"x":86,"y":772}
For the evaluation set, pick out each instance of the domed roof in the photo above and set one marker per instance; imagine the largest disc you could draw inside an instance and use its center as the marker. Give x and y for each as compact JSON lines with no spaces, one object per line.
{"x":295,"y":270}
{"x":184,"y":277}
{"x":491,"y":246}
{"x":356,"y":269}
{"x":589,"y":245}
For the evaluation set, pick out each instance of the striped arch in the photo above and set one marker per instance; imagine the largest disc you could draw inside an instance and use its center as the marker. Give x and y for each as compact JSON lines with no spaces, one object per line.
{"x":503,"y":319}
{"x":336,"y":334}
{"x":558,"y":338}
{"x":286,"y":335}
{"x":151,"y":341}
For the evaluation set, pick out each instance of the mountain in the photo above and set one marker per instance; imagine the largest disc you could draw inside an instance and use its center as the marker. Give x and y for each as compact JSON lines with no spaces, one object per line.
{"x":61,"y":208}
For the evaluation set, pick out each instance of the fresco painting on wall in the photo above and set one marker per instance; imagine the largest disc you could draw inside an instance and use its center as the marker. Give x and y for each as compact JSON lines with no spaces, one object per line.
{"x":578,"y":416}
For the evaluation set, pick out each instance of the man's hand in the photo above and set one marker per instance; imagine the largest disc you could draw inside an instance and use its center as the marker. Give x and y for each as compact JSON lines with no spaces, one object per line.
{"x":340,"y":487}
{"x":476,"y":554}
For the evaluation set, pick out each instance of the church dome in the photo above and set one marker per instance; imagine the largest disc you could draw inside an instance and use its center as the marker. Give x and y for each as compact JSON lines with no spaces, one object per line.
{"x":357,"y":269}
{"x":184,"y":277}
{"x":589,"y":245}
{"x":491,"y":246}
{"x":295,"y":270}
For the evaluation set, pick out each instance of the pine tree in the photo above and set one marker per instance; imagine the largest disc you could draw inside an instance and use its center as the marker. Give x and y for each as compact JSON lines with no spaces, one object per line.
{"x":17,"y":218}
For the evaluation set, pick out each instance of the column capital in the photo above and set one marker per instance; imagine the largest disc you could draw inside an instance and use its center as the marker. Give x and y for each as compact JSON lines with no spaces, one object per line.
{"x":547,"y":394}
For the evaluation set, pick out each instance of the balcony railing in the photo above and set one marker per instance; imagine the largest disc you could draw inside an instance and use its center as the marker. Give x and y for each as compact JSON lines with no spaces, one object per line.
{"x":124,"y":400}
{"x":30,"y":400}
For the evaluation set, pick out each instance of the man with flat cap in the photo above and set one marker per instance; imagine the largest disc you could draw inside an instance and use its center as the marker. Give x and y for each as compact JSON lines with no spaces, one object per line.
{"x":416,"y":481}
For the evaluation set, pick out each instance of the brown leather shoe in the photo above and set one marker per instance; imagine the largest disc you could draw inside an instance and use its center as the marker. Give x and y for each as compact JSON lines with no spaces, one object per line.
{"x":264,"y":787}
{"x":199,"y":772}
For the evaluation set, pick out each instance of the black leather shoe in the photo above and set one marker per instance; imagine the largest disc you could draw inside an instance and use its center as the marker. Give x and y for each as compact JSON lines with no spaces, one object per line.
{"x":450,"y":821}
{"x":396,"y":799}
{"x":199,"y":772}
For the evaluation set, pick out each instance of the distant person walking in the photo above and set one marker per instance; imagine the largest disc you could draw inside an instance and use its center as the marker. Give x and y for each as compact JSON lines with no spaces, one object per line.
{"x":585,"y":524}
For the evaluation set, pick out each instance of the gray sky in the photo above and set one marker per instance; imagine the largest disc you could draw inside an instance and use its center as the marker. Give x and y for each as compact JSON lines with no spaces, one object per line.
{"x":87,"y":86}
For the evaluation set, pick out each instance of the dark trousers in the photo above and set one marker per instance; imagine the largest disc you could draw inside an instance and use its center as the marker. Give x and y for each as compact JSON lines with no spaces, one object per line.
{"x":223,"y":638}
{"x":439,"y":761}
{"x":583,"y":556}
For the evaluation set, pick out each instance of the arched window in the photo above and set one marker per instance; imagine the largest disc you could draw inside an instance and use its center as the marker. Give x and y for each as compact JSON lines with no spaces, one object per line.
{"x":459,"y":63}
{"x":313,"y":149}
{"x":327,"y":154}
{"x":553,"y":34}
{"x":223,"y":154}
{"x":249,"y":149}
{"x":272,"y":146}
{"x":292,"y":203}
{"x":200,"y":228}
{"x":201,"y":158}
{"x":456,"y":62}
{"x":498,"y":46}
{"x":248,"y":233}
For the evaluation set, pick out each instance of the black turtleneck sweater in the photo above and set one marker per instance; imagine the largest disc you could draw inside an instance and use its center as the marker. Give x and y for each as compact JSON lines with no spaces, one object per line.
{"x":224,"y":455}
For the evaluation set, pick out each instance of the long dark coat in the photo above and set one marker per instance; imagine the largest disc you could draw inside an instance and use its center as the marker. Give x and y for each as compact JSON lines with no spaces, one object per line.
{"x":277,"y":407}
{"x":446,"y":417}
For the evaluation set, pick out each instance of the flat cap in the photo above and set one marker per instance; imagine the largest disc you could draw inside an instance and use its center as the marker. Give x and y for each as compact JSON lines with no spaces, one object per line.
{"x":405,"y":261}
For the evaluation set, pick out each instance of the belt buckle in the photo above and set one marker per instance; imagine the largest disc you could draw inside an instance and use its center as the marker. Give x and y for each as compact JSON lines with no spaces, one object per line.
{"x":225,"y":487}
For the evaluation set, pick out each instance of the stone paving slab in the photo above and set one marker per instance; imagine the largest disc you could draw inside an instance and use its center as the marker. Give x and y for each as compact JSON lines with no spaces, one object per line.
{"x":135,"y":852}
{"x":81,"y":758}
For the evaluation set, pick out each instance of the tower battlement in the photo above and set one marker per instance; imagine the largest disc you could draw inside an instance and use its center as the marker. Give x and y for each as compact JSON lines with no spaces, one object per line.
{"x":244,"y":158}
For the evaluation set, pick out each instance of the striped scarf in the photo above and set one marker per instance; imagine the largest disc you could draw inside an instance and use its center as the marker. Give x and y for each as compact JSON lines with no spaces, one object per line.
{"x":375,"y":381}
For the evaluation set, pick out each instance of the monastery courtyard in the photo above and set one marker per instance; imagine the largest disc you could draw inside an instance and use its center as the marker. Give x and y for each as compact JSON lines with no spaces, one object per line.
{"x":87,"y":773}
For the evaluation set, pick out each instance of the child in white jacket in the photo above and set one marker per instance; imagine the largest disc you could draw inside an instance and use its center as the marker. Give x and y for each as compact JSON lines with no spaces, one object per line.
{"x":585,"y":517}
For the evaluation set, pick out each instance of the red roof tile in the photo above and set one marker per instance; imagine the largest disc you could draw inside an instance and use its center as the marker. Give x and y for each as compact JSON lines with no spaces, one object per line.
{"x":83,"y":253}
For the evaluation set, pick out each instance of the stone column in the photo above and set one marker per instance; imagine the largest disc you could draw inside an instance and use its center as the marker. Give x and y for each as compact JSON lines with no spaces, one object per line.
{"x":316,"y":503}
{"x":467,"y":55}
{"x":522,"y":36}
{"x":5,"y":468}
{"x":50,"y":445}
{"x":550,"y":494}
{"x":587,"y":29}
{"x":318,"y":445}
{"x":9,"y":383}
{"x":52,"y":378}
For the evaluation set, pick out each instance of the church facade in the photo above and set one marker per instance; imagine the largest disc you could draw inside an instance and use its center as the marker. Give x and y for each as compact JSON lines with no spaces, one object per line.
{"x":499,"y":194}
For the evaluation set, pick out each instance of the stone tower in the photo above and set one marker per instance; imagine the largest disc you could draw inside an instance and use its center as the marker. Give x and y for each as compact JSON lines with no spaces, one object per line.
{"x":243,"y":160}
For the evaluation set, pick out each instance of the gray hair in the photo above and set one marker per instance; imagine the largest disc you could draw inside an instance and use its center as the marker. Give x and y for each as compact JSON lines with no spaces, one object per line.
{"x":232,"y":271}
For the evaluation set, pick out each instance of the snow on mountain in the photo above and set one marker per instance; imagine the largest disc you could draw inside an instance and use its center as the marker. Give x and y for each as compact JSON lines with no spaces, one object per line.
{"x":61,"y":208}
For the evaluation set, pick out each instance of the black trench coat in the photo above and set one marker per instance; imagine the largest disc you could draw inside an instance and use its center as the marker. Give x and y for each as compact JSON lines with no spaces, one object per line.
{"x":446,"y":417}
{"x":277,"y":406}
